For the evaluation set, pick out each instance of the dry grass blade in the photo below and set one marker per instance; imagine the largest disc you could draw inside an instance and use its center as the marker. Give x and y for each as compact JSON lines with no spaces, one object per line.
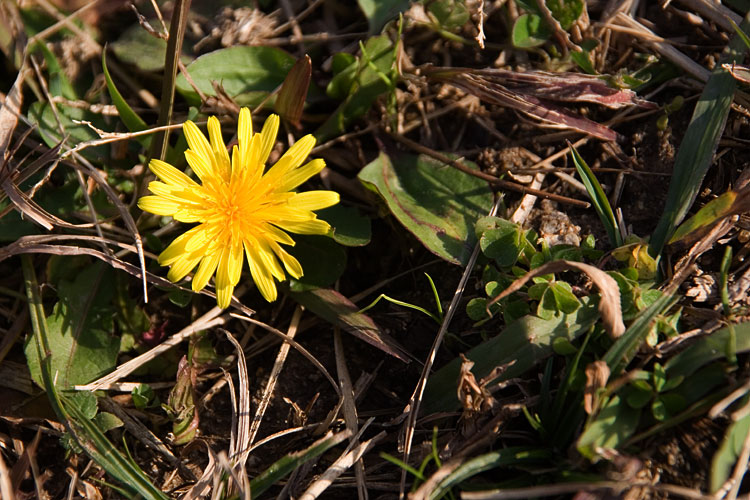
{"x":343,"y":463}
{"x":293,"y":343}
{"x":202,"y":487}
{"x":412,"y":408}
{"x":609,"y":303}
{"x":273,"y":377}
{"x":665,"y":49}
{"x":6,"y":487}
{"x":209,"y":320}
{"x":350,"y":410}
{"x":239,"y":444}
{"x":10,"y":111}
{"x":145,"y":436}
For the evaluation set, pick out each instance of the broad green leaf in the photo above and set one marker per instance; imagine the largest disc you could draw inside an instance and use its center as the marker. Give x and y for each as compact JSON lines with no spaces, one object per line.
{"x":292,"y":461}
{"x":247,"y":74}
{"x":344,"y":68}
{"x":340,"y":311}
{"x":323,"y":262}
{"x":701,"y":139}
{"x":565,"y":299}
{"x":612,"y":426}
{"x":138,"y":47}
{"x":80,"y":330}
{"x":85,"y":432}
{"x":364,"y":82}
{"x":42,"y":115}
{"x":524,"y":343}
{"x":437,"y":203}
{"x":379,"y":12}
{"x":502,"y":240}
{"x":530,"y":31}
{"x":350,"y":228}
{"x":730,"y":449}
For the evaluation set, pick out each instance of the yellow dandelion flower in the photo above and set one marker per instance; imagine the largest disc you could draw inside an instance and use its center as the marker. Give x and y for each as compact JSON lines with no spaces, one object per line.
{"x":238,"y":206}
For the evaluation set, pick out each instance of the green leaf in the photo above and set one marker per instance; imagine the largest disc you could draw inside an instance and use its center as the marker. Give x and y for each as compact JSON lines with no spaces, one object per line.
{"x":476,"y":309}
{"x":614,"y":424}
{"x":565,"y":299}
{"x":129,"y":117}
{"x":80,"y":330}
{"x":142,"y":395}
{"x":323,"y":262}
{"x":107,"y":421}
{"x":247,"y":74}
{"x":85,"y":432}
{"x":59,"y":85}
{"x":138,"y":47}
{"x":563,"y":346}
{"x":524,"y":343}
{"x":364,"y":82}
{"x":344,"y":67}
{"x":340,"y":311}
{"x":290,"y":462}
{"x":625,"y":347}
{"x":714,"y":210}
{"x":707,"y":349}
{"x":637,"y":397}
{"x":598,"y":199}
{"x":566,"y":12}
{"x":379,"y":12}
{"x":502,"y":241}
{"x":42,"y":115}
{"x":530,"y":31}
{"x":512,"y":456}
{"x":701,"y":139}
{"x":728,"y":452}
{"x":449,"y":14}
{"x":435,"y":202}
{"x":350,"y":228}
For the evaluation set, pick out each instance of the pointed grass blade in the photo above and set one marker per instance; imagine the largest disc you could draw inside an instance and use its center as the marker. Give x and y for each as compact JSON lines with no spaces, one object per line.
{"x":130,"y":118}
{"x":695,"y":155}
{"x":598,"y":198}
{"x":290,"y":462}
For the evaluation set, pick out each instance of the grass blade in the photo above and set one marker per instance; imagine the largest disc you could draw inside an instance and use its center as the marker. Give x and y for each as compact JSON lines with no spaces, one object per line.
{"x":85,"y":432}
{"x":129,"y":117}
{"x":288,"y":463}
{"x":625,"y":347}
{"x":699,"y":144}
{"x":598,"y":198}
